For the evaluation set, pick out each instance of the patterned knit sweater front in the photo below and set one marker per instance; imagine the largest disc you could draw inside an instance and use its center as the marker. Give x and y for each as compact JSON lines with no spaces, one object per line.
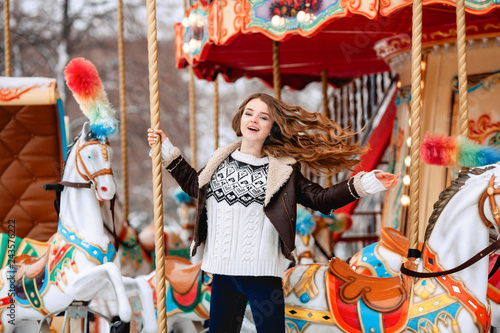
{"x":240,"y":240}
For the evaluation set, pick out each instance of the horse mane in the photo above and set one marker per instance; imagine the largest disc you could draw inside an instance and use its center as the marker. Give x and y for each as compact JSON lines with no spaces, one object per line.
{"x":448,"y":193}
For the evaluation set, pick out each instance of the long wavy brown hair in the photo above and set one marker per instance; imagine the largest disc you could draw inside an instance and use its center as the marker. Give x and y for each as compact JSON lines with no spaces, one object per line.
{"x":309,"y":137}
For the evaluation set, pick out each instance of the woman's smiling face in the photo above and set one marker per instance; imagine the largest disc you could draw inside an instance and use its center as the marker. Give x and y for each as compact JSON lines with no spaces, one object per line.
{"x":256,"y":122}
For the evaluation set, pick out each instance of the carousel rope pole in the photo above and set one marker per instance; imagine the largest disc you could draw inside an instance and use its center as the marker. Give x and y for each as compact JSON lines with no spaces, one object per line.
{"x":123,"y":109}
{"x":192,"y":117}
{"x":154,"y":101}
{"x":463,"y":111}
{"x":416,"y":77}
{"x":326,"y":110}
{"x":216,"y":112}
{"x":6,"y":37}
{"x":192,"y":108}
{"x":276,"y":70}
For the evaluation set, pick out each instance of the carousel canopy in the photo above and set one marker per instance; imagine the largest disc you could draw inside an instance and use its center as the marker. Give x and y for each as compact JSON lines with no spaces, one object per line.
{"x":234,"y":37}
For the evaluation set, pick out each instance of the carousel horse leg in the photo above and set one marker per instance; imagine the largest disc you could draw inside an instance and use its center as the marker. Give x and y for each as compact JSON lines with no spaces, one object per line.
{"x":140,"y":286}
{"x":96,"y":281}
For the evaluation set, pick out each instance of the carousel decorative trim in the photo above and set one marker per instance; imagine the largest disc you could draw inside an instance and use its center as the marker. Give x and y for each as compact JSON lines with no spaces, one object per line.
{"x":93,"y":252}
{"x":484,"y":127}
{"x":9,"y":94}
{"x":474,"y":82}
{"x":296,"y":313}
{"x":28,"y":91}
{"x":306,"y":288}
{"x":389,"y":47}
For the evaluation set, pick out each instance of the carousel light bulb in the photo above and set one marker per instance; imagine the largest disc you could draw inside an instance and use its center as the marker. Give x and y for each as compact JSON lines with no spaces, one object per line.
{"x":275,"y":21}
{"x":407,"y":161}
{"x":301,"y":16}
{"x":185,"y":22}
{"x":406,"y":180}
{"x":308,"y":17}
{"x":405,"y":200}
{"x":192,"y":18}
{"x":193,"y":43}
{"x":185,"y":48}
{"x":408,"y":141}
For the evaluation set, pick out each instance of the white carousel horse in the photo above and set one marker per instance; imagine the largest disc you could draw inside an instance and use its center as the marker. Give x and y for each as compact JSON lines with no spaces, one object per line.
{"x":77,"y":264}
{"x":333,"y":298}
{"x":384,"y":259}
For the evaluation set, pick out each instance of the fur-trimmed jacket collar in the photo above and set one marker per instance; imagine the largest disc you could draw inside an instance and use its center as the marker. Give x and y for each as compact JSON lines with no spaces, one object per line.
{"x":280,"y":169}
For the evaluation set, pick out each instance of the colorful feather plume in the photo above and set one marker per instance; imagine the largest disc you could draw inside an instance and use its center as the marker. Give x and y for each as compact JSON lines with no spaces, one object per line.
{"x":83,"y":80}
{"x":181,"y":197}
{"x":305,"y":223}
{"x":456,"y":151}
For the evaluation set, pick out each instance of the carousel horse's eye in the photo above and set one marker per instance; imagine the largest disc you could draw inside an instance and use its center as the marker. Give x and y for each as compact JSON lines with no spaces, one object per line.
{"x":89,"y":157}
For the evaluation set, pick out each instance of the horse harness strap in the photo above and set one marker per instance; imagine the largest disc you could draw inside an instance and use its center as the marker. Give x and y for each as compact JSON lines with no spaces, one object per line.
{"x":456,"y":289}
{"x":490,"y":194}
{"x":76,"y":185}
{"x":117,"y":241}
{"x":484,"y":253}
{"x":78,"y":158}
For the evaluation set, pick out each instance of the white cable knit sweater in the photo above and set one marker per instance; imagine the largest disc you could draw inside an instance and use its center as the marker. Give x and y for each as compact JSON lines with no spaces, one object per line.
{"x":241,"y":240}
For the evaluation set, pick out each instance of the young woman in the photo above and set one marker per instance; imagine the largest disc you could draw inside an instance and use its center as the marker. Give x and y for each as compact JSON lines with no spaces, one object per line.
{"x":247,"y":195}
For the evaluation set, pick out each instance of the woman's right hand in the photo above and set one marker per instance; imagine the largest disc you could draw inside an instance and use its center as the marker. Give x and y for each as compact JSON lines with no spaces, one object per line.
{"x":153,"y":134}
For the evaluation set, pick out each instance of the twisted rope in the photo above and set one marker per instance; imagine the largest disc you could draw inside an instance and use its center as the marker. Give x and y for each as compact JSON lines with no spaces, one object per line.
{"x":462,"y":70}
{"x":154,"y":101}
{"x":216,"y":112}
{"x":276,"y":70}
{"x":192,"y":117}
{"x":6,"y":36}
{"x":123,"y":108}
{"x":326,"y":110}
{"x":416,"y":73}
